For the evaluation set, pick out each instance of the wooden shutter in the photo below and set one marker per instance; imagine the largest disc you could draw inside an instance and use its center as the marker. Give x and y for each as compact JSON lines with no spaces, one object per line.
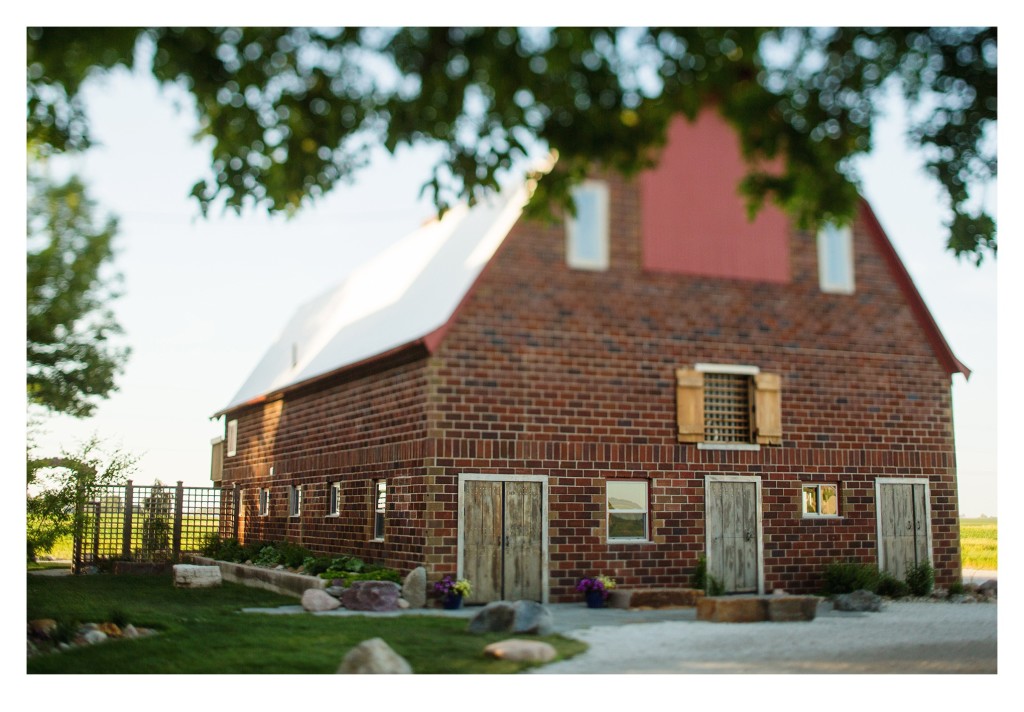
{"x":768,"y":409}
{"x":690,"y":405}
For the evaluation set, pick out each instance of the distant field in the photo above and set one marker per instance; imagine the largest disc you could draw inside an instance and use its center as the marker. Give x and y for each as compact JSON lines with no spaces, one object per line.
{"x":979,"y":543}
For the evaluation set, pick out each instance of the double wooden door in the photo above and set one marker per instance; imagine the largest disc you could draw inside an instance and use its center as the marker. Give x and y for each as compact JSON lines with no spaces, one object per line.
{"x":902,"y":525}
{"x":502,"y":539}
{"x":733,"y":531}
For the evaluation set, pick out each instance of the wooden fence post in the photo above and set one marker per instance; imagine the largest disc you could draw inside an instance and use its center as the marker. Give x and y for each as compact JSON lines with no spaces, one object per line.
{"x":179,"y":496}
{"x":79,"y":523}
{"x":126,"y":530}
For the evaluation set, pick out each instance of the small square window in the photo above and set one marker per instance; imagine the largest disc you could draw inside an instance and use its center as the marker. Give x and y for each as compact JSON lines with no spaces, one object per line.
{"x":627,"y":510}
{"x":264,"y":502}
{"x":835,"y":259}
{"x":586,"y":232}
{"x":333,"y":499}
{"x":294,"y":500}
{"x":232,"y":438}
{"x":380,"y":506}
{"x":820,"y":500}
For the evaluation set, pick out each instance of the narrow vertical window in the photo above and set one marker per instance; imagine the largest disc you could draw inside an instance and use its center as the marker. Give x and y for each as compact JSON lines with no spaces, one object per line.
{"x":333,"y":499}
{"x":232,"y":437}
{"x":587,"y":231}
{"x":264,"y":502}
{"x":835,"y":259}
{"x":627,"y":510}
{"x":380,"y":505}
{"x":294,"y":500}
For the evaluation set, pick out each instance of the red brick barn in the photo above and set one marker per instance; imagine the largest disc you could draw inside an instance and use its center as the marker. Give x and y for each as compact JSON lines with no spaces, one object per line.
{"x":525,"y":404}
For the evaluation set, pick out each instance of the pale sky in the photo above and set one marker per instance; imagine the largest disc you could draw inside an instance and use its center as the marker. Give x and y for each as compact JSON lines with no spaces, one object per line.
{"x":203,"y":299}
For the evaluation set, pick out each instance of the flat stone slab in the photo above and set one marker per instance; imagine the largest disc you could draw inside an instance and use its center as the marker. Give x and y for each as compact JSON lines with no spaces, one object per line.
{"x":521,"y":650}
{"x":755,"y":609}
{"x":654,"y":598}
{"x":192,"y":576}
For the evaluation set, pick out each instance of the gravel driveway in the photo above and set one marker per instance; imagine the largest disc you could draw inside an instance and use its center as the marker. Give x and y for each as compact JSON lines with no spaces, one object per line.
{"x":905,"y":637}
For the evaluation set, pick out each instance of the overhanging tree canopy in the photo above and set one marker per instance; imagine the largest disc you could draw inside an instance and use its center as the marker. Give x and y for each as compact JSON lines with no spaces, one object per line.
{"x":292,"y":111}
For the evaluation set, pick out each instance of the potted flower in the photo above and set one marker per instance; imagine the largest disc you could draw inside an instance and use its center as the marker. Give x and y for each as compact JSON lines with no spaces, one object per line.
{"x":596,"y":590}
{"x":452,"y":591}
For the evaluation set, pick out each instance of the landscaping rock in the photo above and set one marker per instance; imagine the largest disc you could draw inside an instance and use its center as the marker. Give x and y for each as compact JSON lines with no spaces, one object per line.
{"x":653,"y":597}
{"x":335,"y":591}
{"x":531,"y":617}
{"x":989,"y":588}
{"x":193,"y":576}
{"x":495,"y":617}
{"x":859,"y":601}
{"x":371,"y":596}
{"x":373,"y":656}
{"x":130,"y":631}
{"x":404,"y":604}
{"x":521,"y":650}
{"x":414,"y":589}
{"x":316,"y":600}
{"x":111,"y":629}
{"x":731,"y":609}
{"x":91,"y":637}
{"x":508,"y":617}
{"x":42,"y":628}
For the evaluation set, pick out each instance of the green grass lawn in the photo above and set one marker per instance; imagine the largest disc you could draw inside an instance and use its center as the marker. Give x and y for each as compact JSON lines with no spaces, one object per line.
{"x":203,"y":631}
{"x":979,"y":543}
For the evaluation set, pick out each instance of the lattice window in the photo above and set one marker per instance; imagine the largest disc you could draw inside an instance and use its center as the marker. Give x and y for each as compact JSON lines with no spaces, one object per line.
{"x":726,"y":407}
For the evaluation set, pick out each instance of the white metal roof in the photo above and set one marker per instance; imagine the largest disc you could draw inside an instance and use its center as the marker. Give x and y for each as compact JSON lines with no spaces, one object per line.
{"x":402,"y":294}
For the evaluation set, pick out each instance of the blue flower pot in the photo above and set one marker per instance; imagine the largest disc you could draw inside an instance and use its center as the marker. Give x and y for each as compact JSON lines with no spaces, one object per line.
{"x":595,"y":599}
{"x":452,"y":601}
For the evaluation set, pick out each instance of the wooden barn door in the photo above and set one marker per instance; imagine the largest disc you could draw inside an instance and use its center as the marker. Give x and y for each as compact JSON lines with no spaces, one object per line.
{"x":903,"y":514}
{"x":502,"y":539}
{"x":733,"y":531}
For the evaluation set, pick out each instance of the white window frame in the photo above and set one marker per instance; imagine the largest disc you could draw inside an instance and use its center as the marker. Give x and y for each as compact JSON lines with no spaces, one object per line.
{"x":817,"y":486}
{"x":334,"y":499}
{"x":736,"y":370}
{"x":232,"y":438}
{"x":294,"y":500}
{"x":379,"y":514}
{"x":573,"y":235}
{"x":646,"y":511}
{"x":836,"y":243}
{"x":263,"y":507}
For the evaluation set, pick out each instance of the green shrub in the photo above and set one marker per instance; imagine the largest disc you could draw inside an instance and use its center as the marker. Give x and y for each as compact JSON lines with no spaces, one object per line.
{"x":956,"y":588}
{"x":890,"y":586}
{"x":268,"y":556}
{"x":849,"y":576}
{"x":379,"y":574}
{"x":921,"y":578}
{"x":292,"y":555}
{"x":118,"y":617}
{"x":700,"y":572}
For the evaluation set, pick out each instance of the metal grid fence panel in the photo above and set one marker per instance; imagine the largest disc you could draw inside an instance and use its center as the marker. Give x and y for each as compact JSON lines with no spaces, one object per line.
{"x":154,"y":523}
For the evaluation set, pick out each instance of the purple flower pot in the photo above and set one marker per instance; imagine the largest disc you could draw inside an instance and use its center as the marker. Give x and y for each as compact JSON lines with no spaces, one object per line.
{"x":452,"y":601}
{"x":595,"y":599}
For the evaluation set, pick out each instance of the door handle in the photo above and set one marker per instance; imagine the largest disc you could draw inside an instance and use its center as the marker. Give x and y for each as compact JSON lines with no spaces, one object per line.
{"x":748,"y":535}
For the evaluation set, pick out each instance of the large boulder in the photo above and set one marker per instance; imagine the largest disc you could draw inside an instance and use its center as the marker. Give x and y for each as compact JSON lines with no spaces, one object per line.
{"x":858,"y":601}
{"x":531,"y":617}
{"x":521,"y":650}
{"x":495,"y":617}
{"x":373,"y":656}
{"x":316,"y":600}
{"x":193,"y":576}
{"x":371,"y":596}
{"x":414,"y":589}
{"x":512,"y":617}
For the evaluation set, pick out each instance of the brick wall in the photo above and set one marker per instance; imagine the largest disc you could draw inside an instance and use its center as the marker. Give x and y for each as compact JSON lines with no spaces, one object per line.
{"x":354,"y":429}
{"x":570,"y":374}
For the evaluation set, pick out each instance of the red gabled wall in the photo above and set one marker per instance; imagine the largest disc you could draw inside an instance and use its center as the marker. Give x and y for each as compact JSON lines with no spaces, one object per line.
{"x":693,"y":220}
